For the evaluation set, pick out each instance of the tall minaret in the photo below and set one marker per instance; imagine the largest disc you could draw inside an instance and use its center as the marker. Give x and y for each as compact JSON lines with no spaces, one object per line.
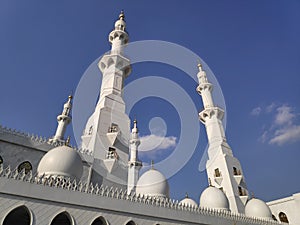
{"x":107,"y":131}
{"x":134,"y":165}
{"x":63,"y":120}
{"x":223,"y":169}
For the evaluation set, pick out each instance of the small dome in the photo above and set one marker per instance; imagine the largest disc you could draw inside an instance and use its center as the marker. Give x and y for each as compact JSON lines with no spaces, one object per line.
{"x":188,"y":202}
{"x":153,"y":183}
{"x":257,"y":208}
{"x":61,"y":161}
{"x":213,"y":197}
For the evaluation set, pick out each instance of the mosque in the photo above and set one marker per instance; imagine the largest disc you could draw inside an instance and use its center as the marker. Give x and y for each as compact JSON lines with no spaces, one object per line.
{"x":46,"y":181}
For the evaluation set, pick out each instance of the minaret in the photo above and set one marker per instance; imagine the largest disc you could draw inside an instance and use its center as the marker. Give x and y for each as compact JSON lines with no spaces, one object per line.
{"x":63,"y":120}
{"x":223,"y":169}
{"x":134,"y":165}
{"x":107,"y":131}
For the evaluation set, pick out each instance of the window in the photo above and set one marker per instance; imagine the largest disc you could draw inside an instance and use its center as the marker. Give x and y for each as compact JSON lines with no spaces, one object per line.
{"x":242,"y":192}
{"x":18,"y":216}
{"x":283,"y":217}
{"x":1,"y":160}
{"x":25,"y":166}
{"x":99,"y":221}
{"x":235,"y":172}
{"x":217,"y":172}
{"x":130,"y":223}
{"x":62,"y":219}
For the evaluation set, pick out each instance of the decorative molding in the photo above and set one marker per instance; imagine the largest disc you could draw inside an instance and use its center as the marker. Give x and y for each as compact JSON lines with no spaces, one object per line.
{"x":111,"y":192}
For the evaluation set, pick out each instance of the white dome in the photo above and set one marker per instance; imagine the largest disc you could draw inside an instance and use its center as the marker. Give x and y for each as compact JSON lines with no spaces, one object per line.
{"x":213,"y":197}
{"x":153,"y":183}
{"x":188,"y":202}
{"x":257,"y":208}
{"x":61,"y":161}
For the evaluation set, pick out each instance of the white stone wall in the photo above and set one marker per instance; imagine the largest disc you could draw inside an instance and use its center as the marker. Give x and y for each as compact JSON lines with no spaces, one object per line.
{"x":290,"y":206}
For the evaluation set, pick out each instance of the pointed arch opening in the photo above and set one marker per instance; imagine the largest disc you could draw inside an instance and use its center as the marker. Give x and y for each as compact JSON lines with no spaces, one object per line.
{"x":99,"y":221}
{"x":62,"y":218}
{"x":18,"y":216}
{"x":283,"y":218}
{"x":1,"y":160}
{"x":130,"y":223}
{"x":26,"y":166}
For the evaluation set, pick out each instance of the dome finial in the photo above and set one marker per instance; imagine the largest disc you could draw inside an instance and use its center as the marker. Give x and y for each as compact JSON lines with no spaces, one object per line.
{"x":135,"y":123}
{"x":122,"y":15}
{"x":186,"y":195}
{"x":209,"y":182}
{"x":70,"y":95}
{"x":199,"y":66}
{"x":68,"y":141}
{"x":152,"y":164}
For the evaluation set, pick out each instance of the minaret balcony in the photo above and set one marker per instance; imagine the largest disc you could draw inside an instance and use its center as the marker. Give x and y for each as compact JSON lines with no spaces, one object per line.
{"x":208,"y":113}
{"x":219,"y":180}
{"x":204,"y":86}
{"x":119,"y":62}
{"x":244,"y":199}
{"x":238,"y":178}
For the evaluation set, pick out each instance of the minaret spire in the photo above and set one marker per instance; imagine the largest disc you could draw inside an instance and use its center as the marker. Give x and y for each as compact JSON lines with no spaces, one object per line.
{"x":134,"y":165}
{"x":63,"y":120}
{"x":107,"y":131}
{"x":223,"y":169}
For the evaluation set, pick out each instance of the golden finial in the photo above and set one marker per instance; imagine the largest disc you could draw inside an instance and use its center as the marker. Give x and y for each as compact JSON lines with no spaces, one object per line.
{"x":68,"y":141}
{"x":71,"y":95}
{"x":122,"y":15}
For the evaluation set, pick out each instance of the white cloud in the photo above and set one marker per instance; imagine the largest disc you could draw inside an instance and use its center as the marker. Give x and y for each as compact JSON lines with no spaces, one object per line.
{"x":264,"y":137}
{"x":282,"y":129}
{"x":256,"y":111}
{"x":155,"y":142}
{"x":284,"y":115}
{"x":270,"y":107}
{"x":286,"y":135}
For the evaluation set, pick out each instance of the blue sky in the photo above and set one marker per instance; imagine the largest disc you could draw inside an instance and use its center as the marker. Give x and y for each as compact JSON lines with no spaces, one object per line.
{"x":252,"y":47}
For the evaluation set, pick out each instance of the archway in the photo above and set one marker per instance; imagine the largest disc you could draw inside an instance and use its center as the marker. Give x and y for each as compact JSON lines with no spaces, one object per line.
{"x":130,"y":223}
{"x":62,"y":219}
{"x":99,"y":221}
{"x":25,"y":166}
{"x":18,"y":216}
{"x":283,"y":217}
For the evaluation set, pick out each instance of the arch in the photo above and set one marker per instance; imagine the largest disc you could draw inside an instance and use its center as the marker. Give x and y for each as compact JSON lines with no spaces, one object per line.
{"x":283,"y":218}
{"x":99,"y":221}
{"x":62,"y":218}
{"x":1,"y":160}
{"x":274,"y":217}
{"x":26,"y":165}
{"x":18,"y":216}
{"x":130,"y":223}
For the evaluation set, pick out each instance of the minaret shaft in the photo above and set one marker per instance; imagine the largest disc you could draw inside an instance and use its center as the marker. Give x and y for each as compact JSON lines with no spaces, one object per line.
{"x":63,"y":120}
{"x":134,"y":165}
{"x":107,"y":131}
{"x":223,"y":169}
